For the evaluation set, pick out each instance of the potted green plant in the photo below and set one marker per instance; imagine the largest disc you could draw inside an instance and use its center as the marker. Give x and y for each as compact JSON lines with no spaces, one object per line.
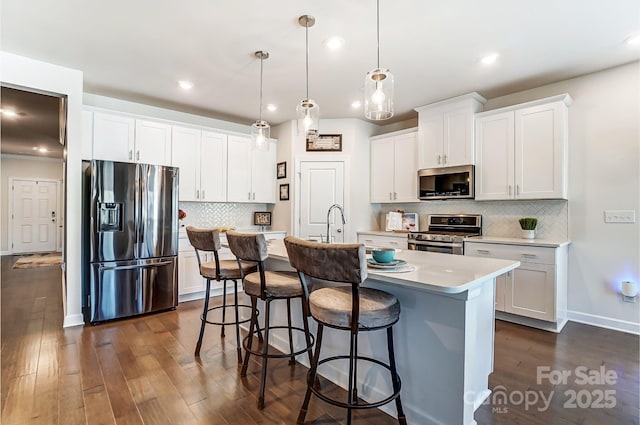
{"x":528,"y":226}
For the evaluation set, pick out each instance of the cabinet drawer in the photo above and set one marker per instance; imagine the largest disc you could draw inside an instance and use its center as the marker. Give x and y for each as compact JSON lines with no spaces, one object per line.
{"x":522,"y":253}
{"x":382,"y":241}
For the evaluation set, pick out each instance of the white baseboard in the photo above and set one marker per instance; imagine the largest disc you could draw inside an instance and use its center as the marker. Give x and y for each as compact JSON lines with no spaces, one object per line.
{"x":5,"y":252}
{"x":73,"y":320}
{"x":604,"y":322}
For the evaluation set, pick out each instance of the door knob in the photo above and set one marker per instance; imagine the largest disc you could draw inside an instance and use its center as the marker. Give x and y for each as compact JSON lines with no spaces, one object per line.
{"x":339,"y":230}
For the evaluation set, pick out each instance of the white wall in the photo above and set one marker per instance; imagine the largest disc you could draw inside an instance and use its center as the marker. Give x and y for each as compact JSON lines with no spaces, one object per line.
{"x":604,"y":159}
{"x":29,"y":73}
{"x":355,"y":149}
{"x":26,"y":167}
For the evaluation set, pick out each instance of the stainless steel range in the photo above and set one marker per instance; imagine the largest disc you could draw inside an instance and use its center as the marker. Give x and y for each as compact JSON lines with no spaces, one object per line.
{"x":446,"y":233}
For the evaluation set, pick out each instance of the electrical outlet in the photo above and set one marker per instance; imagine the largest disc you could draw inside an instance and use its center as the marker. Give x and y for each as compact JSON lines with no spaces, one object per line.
{"x":619,"y":216}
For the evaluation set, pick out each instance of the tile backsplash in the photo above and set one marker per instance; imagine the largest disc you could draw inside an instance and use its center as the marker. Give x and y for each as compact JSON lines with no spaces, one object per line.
{"x":209,"y":214}
{"x":499,"y":218}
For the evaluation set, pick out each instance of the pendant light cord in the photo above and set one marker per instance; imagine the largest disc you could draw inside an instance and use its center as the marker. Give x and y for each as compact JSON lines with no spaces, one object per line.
{"x":261,"y":60}
{"x":378,"y":28}
{"x":306,"y":30}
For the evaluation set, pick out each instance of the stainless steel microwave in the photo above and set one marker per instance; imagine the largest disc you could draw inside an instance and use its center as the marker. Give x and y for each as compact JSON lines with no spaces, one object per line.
{"x":446,"y":183}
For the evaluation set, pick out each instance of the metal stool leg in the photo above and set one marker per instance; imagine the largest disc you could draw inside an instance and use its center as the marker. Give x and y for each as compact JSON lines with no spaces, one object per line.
{"x":224,"y":305}
{"x":350,"y":393}
{"x":265,"y":351}
{"x":311,"y":376}
{"x":203,"y":317}
{"x":252,"y":325}
{"x":292,"y":359}
{"x":402,"y":420}
{"x":235,"y":301}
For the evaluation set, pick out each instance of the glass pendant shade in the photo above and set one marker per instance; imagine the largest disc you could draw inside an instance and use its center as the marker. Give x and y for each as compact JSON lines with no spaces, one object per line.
{"x":308,"y":113}
{"x":378,"y":94}
{"x":260,"y":132}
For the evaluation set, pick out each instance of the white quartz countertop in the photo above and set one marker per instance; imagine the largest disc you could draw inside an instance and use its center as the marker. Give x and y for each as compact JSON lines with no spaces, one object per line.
{"x":434,"y":272}
{"x":382,"y":233}
{"x":554,"y":243}
{"x":182,"y":233}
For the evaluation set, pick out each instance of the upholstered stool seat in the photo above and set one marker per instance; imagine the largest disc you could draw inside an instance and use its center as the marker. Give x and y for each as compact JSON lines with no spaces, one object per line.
{"x":350,"y":308}
{"x":277,"y":284}
{"x":268,"y":286}
{"x":208,"y":241}
{"x":332,"y":306}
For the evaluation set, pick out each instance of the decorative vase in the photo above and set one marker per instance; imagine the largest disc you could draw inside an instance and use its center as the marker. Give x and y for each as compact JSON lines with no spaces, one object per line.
{"x":528,"y":234}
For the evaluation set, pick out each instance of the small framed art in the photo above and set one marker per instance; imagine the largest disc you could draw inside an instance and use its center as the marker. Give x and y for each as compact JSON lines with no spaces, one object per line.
{"x":262,"y":218}
{"x":284,"y":192}
{"x":325,"y":143}
{"x":281,"y":170}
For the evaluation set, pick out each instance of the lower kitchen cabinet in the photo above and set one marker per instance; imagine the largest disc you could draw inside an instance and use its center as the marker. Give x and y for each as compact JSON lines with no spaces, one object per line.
{"x":382,"y":240}
{"x":536,"y":290}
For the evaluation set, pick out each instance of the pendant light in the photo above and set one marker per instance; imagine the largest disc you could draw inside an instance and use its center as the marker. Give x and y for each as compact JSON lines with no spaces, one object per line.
{"x":308,"y":110}
{"x":378,"y":86}
{"x":260,"y":129}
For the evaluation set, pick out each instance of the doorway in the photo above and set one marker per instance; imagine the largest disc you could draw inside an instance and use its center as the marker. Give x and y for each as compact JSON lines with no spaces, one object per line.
{"x":321,"y":185}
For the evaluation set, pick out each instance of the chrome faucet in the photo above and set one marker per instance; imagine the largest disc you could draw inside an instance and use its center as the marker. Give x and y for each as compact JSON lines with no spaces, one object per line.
{"x":329,"y":216}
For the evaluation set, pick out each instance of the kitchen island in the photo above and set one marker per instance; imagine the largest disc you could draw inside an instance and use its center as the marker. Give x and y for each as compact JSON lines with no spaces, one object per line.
{"x":444,"y":338}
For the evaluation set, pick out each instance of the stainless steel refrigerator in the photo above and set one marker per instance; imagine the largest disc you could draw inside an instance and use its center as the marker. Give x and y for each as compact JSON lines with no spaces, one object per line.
{"x":130,"y":239}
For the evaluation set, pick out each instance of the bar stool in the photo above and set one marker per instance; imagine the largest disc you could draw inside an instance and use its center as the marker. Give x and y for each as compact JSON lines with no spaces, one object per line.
{"x":268,"y":286}
{"x":208,"y":240}
{"x":350,"y":308}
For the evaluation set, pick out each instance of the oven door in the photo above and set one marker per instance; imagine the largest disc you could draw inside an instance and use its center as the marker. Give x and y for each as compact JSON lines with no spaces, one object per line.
{"x":442,"y":247}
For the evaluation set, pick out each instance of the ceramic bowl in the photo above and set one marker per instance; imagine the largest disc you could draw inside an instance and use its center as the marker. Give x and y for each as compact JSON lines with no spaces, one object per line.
{"x":383,"y":255}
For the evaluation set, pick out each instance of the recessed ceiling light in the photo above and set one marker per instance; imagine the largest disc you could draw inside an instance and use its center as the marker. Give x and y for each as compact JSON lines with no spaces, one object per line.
{"x":35,"y":148}
{"x":633,"y":40}
{"x":8,"y":113}
{"x":356,"y":104}
{"x":489,"y":59}
{"x":334,"y":43}
{"x":43,"y":150}
{"x":271,"y":107}
{"x":185,"y":85}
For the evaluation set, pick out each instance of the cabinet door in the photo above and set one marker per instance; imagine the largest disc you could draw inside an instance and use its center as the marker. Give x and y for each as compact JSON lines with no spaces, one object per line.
{"x":532,"y":292}
{"x":458,"y":138}
{"x":113,"y":137}
{"x":153,"y":143}
{"x":494,"y":156}
{"x":239,"y":169}
{"x":540,"y":152}
{"x":87,"y":135}
{"x":405,"y":179}
{"x":431,"y":136}
{"x":501,"y":283}
{"x":382,"y":170}
{"x":185,"y":154}
{"x":263,"y":175}
{"x":189,"y":279}
{"x":213,"y":167}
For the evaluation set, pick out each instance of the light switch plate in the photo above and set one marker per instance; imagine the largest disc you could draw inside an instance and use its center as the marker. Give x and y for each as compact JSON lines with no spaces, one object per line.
{"x":619,"y":216}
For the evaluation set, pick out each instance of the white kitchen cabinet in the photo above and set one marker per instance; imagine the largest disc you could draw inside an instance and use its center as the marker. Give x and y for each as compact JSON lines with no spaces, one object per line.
{"x":399,"y":241}
{"x":251,"y":173}
{"x":87,"y":135}
{"x":152,"y":143}
{"x":394,"y":168}
{"x":537,"y":289}
{"x":113,"y":137}
{"x":201,"y":157}
{"x":521,"y":151}
{"x":126,"y":139}
{"x":446,"y":131}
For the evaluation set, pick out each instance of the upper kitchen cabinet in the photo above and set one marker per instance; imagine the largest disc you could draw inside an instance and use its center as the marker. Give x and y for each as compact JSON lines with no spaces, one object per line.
{"x":251,"y":173}
{"x":445,"y":131}
{"x":394,"y":167}
{"x":126,"y":139}
{"x":201,"y":157}
{"x":521,"y":151}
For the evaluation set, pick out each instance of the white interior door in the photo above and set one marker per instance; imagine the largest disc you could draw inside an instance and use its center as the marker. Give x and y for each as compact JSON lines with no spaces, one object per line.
{"x":321,"y":185}
{"x":34,"y":216}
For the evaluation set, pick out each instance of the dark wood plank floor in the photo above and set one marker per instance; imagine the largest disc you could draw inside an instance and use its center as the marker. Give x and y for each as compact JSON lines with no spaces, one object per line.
{"x":142,"y":370}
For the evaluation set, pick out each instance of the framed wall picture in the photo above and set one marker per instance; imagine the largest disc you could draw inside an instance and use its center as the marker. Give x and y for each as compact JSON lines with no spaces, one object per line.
{"x":281,"y":170}
{"x":284,"y":192}
{"x":325,"y":143}
{"x":262,"y":218}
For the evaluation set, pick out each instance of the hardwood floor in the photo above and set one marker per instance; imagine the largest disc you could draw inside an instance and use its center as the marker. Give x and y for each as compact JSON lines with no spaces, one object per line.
{"x":142,"y":370}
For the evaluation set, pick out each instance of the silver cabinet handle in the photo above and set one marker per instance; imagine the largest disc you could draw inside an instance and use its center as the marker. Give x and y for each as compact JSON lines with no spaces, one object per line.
{"x":393,"y":243}
{"x":249,"y":196}
{"x":197,"y":194}
{"x":130,"y":154}
{"x":390,"y":196}
{"x":444,"y":159}
{"x":439,"y":156}
{"x":517,"y":189}
{"x":254,"y":196}
{"x":395,"y":195}
{"x":509,"y":190}
{"x":203,"y":196}
{"x":368,"y":240}
{"x":529,"y":256}
{"x":482,"y":251}
{"x":137,"y":155}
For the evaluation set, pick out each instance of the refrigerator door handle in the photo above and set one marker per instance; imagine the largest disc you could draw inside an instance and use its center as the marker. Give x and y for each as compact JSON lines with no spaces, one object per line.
{"x":135,"y":266}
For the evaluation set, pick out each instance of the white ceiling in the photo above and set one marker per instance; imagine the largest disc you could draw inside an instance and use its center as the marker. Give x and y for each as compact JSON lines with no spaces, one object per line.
{"x":137,"y":50}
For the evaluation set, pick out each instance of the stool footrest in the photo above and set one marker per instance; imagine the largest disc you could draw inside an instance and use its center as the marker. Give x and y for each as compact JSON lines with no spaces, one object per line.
{"x":259,"y":353}
{"x":363,"y":405}
{"x":230,"y":322}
